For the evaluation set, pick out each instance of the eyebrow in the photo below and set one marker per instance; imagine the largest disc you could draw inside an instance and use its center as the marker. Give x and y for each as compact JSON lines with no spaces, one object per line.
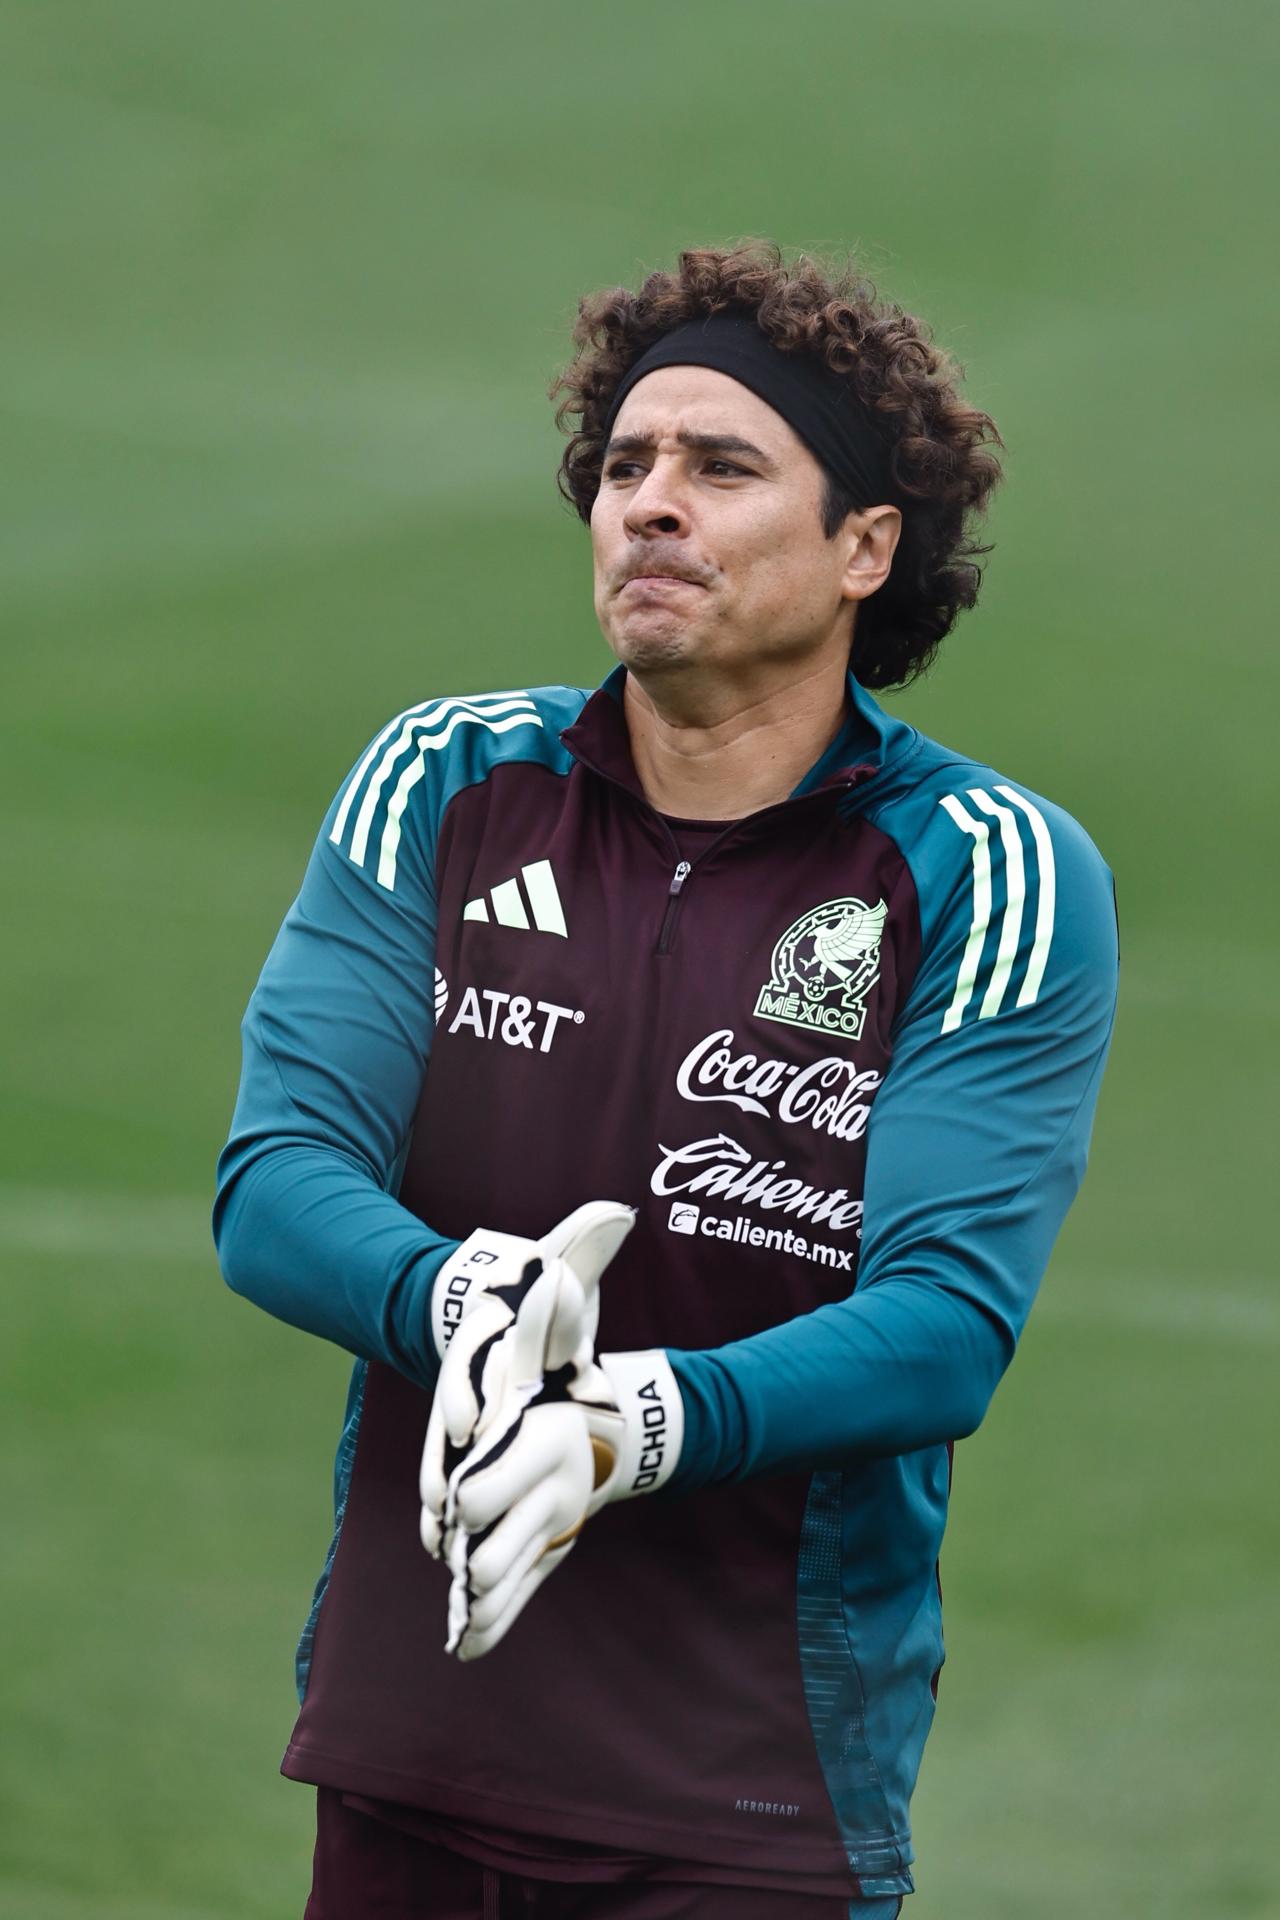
{"x":695,"y":442}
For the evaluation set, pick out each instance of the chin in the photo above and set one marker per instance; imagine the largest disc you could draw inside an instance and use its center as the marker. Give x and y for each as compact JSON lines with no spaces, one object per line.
{"x":649,"y":651}
{"x":655,"y":644}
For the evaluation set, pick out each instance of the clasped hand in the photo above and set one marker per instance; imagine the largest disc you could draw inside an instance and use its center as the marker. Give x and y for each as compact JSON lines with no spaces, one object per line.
{"x":526,"y":1437}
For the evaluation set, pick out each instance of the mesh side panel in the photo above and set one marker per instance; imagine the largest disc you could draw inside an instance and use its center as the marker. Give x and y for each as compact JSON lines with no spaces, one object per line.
{"x":342,"y":1466}
{"x":837,"y":1712}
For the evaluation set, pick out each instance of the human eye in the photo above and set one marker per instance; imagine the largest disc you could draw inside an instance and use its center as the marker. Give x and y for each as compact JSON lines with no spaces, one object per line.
{"x":621,"y":468}
{"x":720,"y":469}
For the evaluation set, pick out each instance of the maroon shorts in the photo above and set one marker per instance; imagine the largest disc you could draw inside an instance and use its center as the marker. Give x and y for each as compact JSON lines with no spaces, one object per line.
{"x":366,"y":1869}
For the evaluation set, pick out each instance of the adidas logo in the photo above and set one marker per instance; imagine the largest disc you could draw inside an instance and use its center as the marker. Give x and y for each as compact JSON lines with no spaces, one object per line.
{"x":508,"y":902}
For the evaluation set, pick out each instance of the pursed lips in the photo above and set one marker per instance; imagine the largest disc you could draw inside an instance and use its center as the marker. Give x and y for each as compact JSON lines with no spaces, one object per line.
{"x":658,"y":580}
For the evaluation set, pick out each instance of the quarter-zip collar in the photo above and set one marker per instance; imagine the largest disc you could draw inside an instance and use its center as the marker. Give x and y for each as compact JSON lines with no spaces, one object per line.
{"x":868,"y":745}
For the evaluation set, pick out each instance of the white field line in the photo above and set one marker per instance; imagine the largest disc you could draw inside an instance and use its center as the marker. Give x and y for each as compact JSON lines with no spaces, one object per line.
{"x":1238,"y":1307}
{"x":36,"y":1220}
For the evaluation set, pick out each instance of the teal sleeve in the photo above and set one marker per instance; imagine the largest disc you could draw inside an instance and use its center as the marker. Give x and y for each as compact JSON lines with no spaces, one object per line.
{"x":335,"y":1044}
{"x":976,"y":1148}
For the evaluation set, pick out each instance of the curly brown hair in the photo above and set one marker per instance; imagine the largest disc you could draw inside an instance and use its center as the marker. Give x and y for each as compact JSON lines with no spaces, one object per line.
{"x":942,"y":472}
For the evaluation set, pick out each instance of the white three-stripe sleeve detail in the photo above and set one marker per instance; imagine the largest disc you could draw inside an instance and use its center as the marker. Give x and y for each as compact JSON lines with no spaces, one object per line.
{"x":972,"y":955}
{"x":417,"y":730}
{"x":1047,"y":902}
{"x":1015,"y":895}
{"x":353,"y":785}
{"x":544,"y":898}
{"x":429,"y":710}
{"x":427,"y":743}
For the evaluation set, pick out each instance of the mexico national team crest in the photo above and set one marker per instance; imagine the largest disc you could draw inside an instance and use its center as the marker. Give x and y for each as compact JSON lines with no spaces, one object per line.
{"x":824,"y":966}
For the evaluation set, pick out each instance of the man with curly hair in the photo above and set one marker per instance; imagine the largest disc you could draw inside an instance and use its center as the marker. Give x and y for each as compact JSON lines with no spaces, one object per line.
{"x":670,"y":1094}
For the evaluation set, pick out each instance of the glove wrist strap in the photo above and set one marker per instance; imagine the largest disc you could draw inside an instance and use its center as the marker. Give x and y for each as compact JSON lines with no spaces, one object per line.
{"x":649,"y":1400}
{"x":464,"y":1276}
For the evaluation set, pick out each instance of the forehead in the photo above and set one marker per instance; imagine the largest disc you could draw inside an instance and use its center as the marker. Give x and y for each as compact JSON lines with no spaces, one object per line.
{"x":702,"y":400}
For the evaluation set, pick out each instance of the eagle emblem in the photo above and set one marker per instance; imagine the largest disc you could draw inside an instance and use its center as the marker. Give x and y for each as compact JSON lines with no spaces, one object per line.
{"x":824,"y":966}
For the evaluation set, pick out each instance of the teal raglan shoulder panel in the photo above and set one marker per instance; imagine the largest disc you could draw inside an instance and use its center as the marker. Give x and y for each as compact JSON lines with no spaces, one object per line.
{"x":335,"y":1042}
{"x":998,"y":1055}
{"x":337,"y":1034}
{"x":423,"y":757}
{"x":980,"y":1134}
{"x":976,"y":1148}
{"x":976,"y":1145}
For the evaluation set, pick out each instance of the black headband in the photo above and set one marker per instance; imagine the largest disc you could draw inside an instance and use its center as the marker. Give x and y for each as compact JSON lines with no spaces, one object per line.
{"x":820,"y":405}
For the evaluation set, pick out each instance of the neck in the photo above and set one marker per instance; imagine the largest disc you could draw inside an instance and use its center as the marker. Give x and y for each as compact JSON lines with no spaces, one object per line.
{"x":728,"y":752}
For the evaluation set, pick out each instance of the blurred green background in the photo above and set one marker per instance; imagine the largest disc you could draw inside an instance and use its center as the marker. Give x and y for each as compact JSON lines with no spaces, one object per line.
{"x":284,"y":287}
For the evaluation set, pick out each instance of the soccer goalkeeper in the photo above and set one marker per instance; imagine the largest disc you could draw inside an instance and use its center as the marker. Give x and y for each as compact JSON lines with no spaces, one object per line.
{"x":670,"y":1094}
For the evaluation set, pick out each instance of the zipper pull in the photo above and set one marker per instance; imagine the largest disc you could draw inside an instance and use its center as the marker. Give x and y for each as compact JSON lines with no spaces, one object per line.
{"x":678,"y":878}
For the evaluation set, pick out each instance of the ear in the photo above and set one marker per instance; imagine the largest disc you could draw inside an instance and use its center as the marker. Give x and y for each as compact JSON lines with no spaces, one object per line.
{"x":871,"y":538}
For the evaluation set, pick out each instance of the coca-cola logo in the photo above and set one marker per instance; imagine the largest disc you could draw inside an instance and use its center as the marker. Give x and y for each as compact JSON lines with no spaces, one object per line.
{"x":830,"y":1095}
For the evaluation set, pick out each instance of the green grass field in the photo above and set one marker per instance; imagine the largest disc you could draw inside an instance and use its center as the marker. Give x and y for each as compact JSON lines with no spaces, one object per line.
{"x":284,"y":288}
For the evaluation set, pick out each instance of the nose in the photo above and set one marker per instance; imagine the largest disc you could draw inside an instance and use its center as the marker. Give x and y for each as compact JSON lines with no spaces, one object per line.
{"x":658,"y":504}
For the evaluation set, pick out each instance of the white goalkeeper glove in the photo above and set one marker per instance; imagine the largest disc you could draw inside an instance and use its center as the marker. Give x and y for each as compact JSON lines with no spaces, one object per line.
{"x":526,"y":1423}
{"x":489,"y":1262}
{"x":480,"y":1294}
{"x":519,"y":1496}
